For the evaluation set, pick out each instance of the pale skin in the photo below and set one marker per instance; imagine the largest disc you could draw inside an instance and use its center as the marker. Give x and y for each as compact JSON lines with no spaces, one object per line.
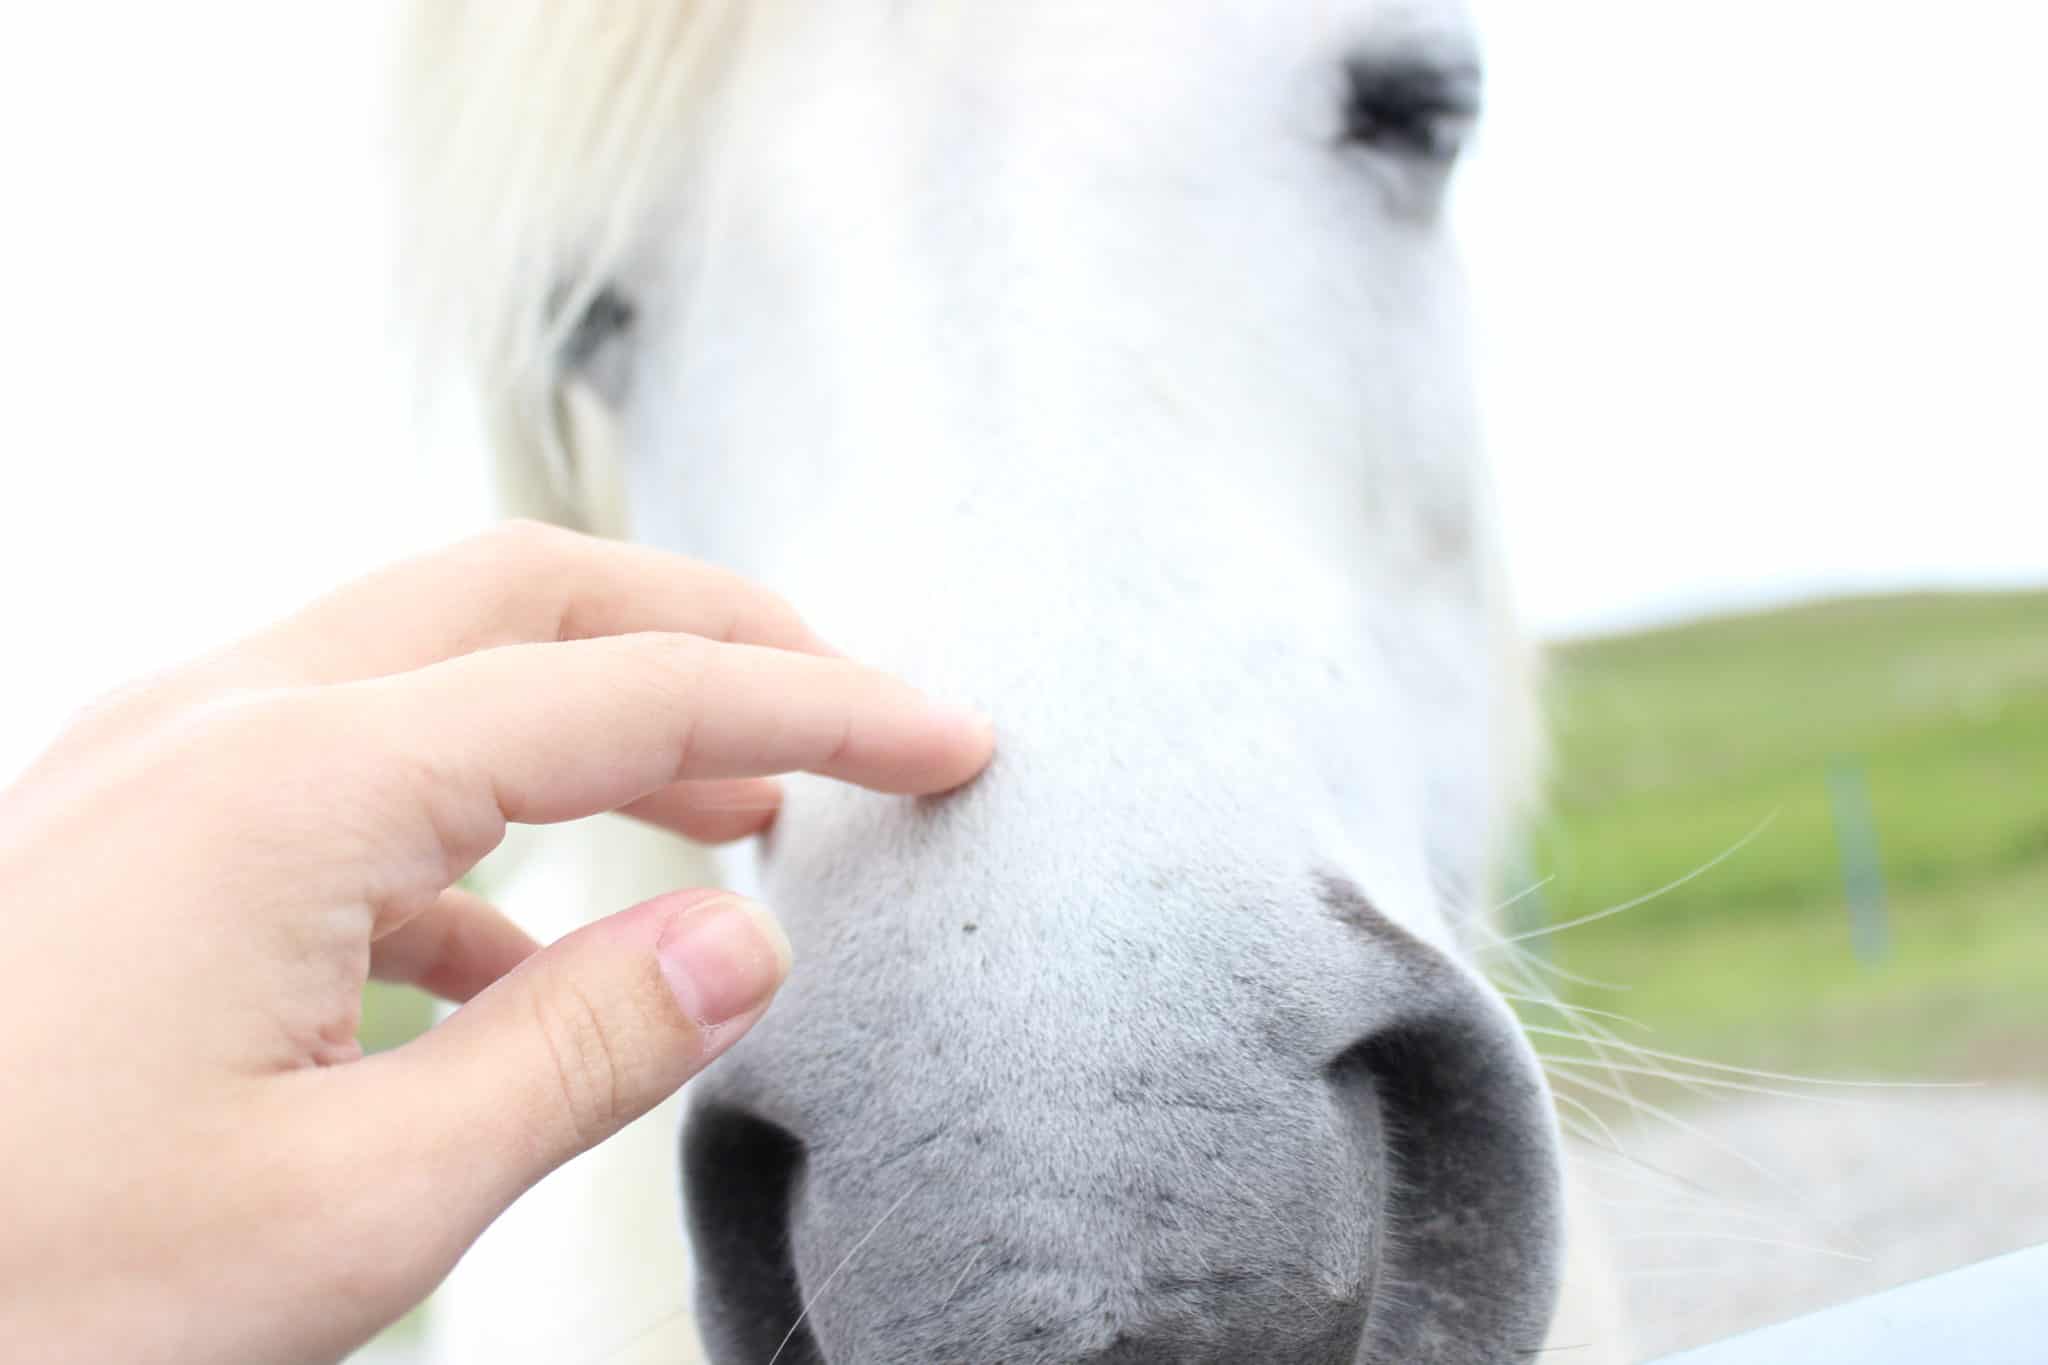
{"x":196,"y":1160}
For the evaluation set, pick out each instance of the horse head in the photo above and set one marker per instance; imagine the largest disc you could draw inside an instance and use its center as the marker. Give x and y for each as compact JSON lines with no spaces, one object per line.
{"x":1102,"y":366}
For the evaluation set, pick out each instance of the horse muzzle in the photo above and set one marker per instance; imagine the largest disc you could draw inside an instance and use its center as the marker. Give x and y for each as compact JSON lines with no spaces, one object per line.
{"x":1013,"y":1174}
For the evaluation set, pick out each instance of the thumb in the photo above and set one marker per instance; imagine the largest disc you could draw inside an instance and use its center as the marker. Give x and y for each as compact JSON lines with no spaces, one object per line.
{"x":579,"y":1040}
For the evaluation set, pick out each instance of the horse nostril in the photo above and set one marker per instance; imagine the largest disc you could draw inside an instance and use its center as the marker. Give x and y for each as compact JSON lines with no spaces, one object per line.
{"x":741,"y":1175}
{"x":1469,"y":1247}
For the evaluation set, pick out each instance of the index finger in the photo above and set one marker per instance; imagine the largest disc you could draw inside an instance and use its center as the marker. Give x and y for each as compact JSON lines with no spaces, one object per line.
{"x":544,"y":733}
{"x":519,"y":583}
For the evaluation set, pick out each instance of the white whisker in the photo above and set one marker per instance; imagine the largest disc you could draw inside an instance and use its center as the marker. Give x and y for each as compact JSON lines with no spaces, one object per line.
{"x":1584,"y":1028}
{"x":628,"y":1343}
{"x":1690,"y":1129}
{"x":1570,"y":1009}
{"x":1758,"y":1074}
{"x":1680,"y":1272}
{"x":1524,"y":894}
{"x":1702,"y":870}
{"x":1745,"y":1239}
{"x":1729,"y":1211}
{"x":1639,"y":1169}
{"x":1495,"y":941}
{"x":961,"y":1278}
{"x":1550,"y":1060}
{"x":1606,"y":1133}
{"x":844,"y":1262}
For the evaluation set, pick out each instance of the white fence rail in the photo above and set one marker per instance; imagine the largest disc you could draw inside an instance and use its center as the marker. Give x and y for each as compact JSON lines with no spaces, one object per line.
{"x":1991,"y":1313}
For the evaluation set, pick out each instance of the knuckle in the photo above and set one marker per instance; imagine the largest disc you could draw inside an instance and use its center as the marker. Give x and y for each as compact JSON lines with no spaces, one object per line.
{"x":678,"y":676}
{"x":515,"y":552}
{"x":587,"y":1065}
{"x":782,"y":615}
{"x":132,"y":717}
{"x":214,"y":768}
{"x":429,"y":798}
{"x":462,"y":815}
{"x":389,"y":788}
{"x":147,"y":698}
{"x":673,"y":666}
{"x":521,"y":537}
{"x":516,"y":557}
{"x":248,"y":723}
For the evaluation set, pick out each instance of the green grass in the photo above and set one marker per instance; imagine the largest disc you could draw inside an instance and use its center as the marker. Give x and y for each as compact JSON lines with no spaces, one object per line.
{"x":1672,"y":745}
{"x":393,"y":1015}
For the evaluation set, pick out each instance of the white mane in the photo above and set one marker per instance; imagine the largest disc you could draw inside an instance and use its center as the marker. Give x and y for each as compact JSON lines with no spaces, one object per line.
{"x":532,"y":135}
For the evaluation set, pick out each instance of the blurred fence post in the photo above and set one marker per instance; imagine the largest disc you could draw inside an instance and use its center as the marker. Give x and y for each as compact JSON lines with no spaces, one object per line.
{"x":1862,"y":872}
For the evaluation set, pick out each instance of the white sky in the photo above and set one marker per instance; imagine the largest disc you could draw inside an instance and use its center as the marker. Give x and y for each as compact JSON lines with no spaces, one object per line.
{"x":1765,"y":291}
{"x":1762,"y":284}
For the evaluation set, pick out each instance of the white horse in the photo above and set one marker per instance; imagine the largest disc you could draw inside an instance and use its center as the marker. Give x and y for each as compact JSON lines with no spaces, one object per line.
{"x":1102,"y":365}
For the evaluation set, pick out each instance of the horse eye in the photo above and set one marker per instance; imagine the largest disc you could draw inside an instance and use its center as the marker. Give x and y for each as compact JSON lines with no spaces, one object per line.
{"x":607,"y":315}
{"x":1411,"y":108}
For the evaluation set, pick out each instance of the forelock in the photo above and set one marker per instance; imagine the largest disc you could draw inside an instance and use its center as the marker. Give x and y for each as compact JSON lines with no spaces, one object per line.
{"x":530,"y":140}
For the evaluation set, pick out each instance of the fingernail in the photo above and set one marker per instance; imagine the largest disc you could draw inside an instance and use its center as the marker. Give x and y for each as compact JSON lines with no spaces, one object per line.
{"x":722,"y":959}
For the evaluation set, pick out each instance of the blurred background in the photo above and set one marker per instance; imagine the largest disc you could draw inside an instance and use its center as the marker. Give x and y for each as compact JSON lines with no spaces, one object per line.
{"x":1761,"y":297}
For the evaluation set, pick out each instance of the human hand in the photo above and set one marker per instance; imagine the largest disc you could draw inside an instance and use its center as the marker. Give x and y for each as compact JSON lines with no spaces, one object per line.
{"x":196,"y":1161}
